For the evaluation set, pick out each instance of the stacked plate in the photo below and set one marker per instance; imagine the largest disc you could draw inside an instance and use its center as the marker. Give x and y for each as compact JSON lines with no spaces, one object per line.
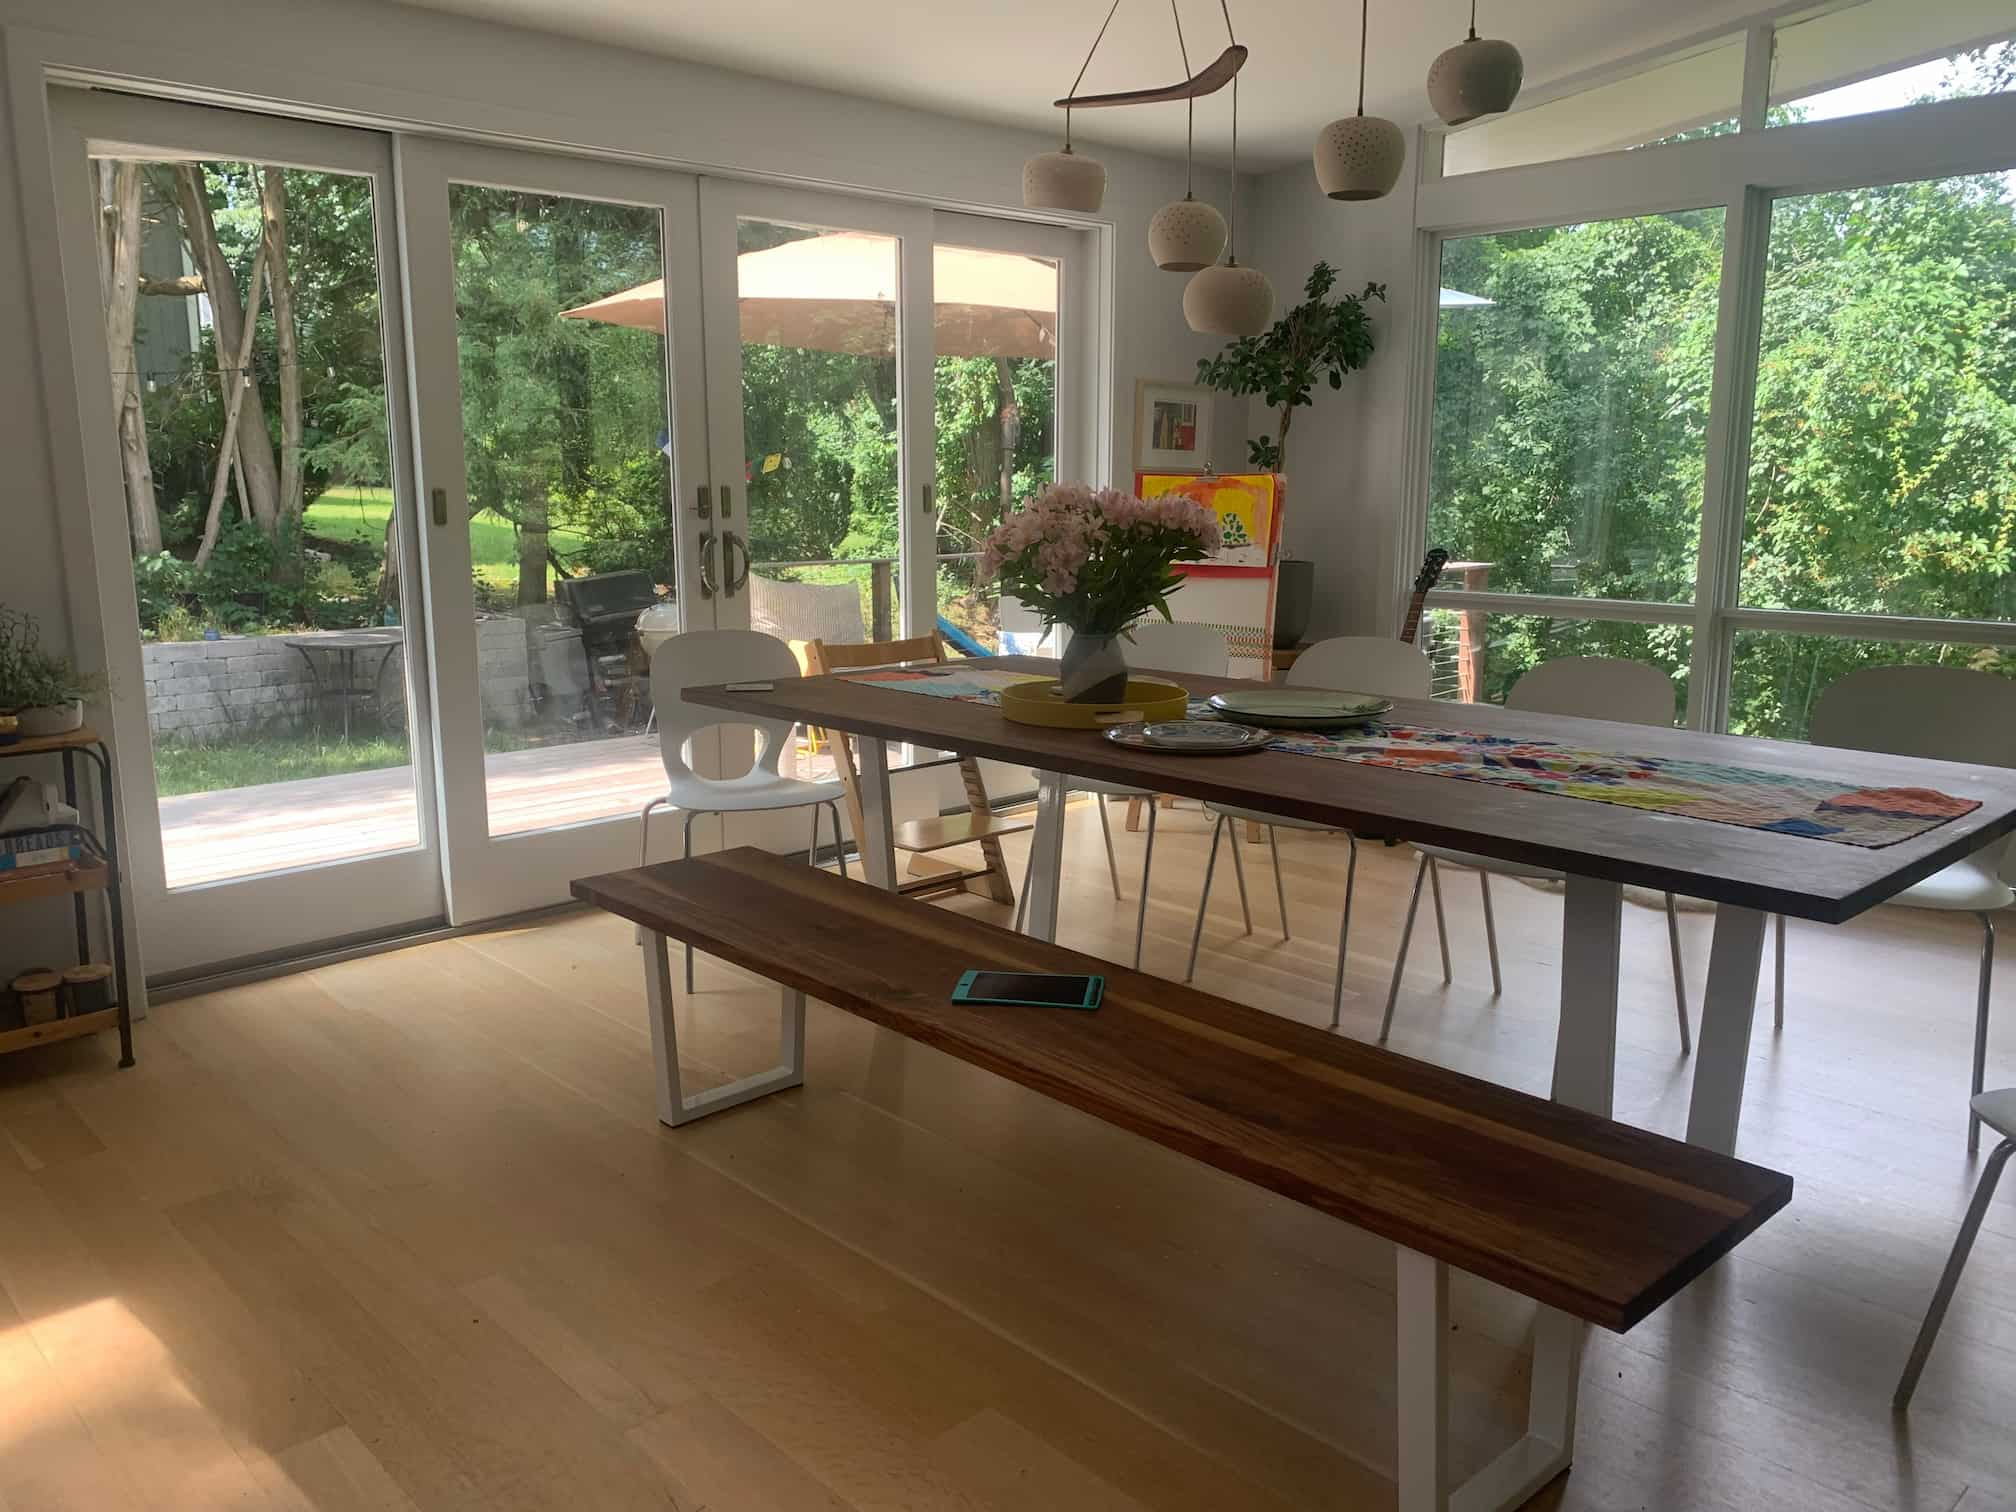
{"x":1300,"y":708}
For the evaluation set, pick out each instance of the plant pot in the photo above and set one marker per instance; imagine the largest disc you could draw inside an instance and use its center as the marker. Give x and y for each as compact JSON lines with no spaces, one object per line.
{"x":1294,"y":602}
{"x":1094,"y":669}
{"x":51,"y":719}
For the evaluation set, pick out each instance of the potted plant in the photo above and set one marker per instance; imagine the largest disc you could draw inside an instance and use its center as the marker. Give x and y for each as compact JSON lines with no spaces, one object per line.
{"x":1097,"y":560}
{"x":43,"y":691}
{"x":1321,"y":338}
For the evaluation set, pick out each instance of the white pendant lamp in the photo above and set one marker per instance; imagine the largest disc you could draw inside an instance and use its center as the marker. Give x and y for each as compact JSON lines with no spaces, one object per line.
{"x":1226,"y":299}
{"x":1186,"y":235}
{"x":1359,"y":157}
{"x":1476,"y":77}
{"x":1068,"y":180}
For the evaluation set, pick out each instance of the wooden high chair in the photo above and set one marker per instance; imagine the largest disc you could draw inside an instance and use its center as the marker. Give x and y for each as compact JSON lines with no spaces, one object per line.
{"x":979,"y":825}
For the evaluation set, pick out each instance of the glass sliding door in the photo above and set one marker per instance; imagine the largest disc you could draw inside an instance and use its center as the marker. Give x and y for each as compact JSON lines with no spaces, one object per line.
{"x":554,"y":301}
{"x":254,"y":461}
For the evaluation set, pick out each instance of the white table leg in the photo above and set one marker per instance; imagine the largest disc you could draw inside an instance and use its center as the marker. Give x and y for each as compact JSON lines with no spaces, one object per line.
{"x":1585,"y":1046}
{"x":1046,"y":856}
{"x":878,"y":845}
{"x":674,"y":1107}
{"x":1722,"y":1048}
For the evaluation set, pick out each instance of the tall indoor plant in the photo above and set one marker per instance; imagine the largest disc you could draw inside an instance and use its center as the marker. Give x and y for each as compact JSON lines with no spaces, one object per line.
{"x":1097,"y":560}
{"x":1321,"y":338}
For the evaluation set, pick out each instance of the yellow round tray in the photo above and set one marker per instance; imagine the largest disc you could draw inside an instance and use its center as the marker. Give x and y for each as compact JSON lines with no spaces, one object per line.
{"x":1034,"y":703}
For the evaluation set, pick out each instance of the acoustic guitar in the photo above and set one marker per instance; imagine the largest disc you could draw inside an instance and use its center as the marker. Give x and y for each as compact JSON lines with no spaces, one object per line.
{"x":1424,"y":584}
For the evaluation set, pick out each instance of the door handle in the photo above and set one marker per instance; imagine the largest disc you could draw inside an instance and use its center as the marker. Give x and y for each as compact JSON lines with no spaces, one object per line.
{"x":730,"y":544}
{"x":709,"y":584}
{"x":929,"y":499}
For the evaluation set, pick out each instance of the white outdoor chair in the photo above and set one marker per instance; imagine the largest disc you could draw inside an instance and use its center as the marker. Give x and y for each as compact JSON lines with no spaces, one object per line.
{"x":1998,"y":1111}
{"x":1198,"y":650}
{"x":1589,"y":687}
{"x":1347,"y":664}
{"x":700,"y":657}
{"x":1948,"y":714}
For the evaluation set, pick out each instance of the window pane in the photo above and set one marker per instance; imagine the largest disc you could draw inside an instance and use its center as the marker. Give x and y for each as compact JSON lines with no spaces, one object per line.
{"x":1698,"y":95}
{"x":1883,"y":457}
{"x":996,"y":401}
{"x":561,"y":320}
{"x":1884,"y":54}
{"x":1478,"y":655}
{"x":1780,"y":677}
{"x":1571,"y":403}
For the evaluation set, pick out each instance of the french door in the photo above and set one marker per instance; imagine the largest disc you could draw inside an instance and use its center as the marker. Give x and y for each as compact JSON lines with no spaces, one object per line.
{"x":254,"y":523}
{"x":554,"y":313}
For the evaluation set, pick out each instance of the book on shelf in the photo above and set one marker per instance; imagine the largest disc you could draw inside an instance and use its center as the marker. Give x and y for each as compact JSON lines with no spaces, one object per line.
{"x":38,"y":848}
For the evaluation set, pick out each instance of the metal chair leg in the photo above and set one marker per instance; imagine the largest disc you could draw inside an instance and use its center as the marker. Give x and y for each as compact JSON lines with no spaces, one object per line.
{"x":1400,"y":958}
{"x":1778,"y":985}
{"x":812,"y":853}
{"x":1981,"y":1026}
{"x":1679,"y":975}
{"x":1280,"y":887}
{"x":684,"y":854}
{"x":1106,"y":833}
{"x":644,"y":829}
{"x":839,"y":839}
{"x":1490,"y":931}
{"x":1239,"y":874}
{"x":1949,"y":1278}
{"x":1441,"y":922}
{"x":1204,"y":898}
{"x":1147,"y":866}
{"x":1344,"y":932}
{"x":1022,"y":898}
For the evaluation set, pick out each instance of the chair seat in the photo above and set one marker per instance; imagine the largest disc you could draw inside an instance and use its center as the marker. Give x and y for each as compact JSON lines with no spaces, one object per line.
{"x":1998,"y":1111}
{"x":1970,"y":886}
{"x":1488,"y":863}
{"x":753,"y":792}
{"x":1261,"y":816}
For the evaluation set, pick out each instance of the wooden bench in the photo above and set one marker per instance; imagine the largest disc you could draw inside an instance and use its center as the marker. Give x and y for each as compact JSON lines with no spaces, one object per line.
{"x":1598,"y":1222}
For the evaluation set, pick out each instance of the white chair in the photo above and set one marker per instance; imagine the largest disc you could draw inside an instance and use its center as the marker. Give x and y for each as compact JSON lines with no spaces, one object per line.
{"x":1590,"y":687}
{"x":1948,"y":714}
{"x":1998,"y":1111}
{"x":1349,"y":664}
{"x":700,"y":657}
{"x":1158,"y":646}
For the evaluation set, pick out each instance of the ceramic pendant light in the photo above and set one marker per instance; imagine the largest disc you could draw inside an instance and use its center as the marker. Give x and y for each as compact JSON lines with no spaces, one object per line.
{"x":1226,"y":299}
{"x":1359,"y":157}
{"x":1476,"y":77}
{"x":1186,"y":235}
{"x":1063,"y":180}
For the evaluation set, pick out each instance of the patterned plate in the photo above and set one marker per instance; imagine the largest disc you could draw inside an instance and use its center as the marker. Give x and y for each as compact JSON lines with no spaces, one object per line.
{"x":1190,"y":737}
{"x":1300,"y":708}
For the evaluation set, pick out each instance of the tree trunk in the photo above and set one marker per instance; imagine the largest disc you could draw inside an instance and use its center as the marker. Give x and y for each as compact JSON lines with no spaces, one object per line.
{"x":257,"y":473}
{"x":235,"y":398}
{"x":1011,"y":432}
{"x":287,"y":344}
{"x":119,"y":269}
{"x":1281,"y":440}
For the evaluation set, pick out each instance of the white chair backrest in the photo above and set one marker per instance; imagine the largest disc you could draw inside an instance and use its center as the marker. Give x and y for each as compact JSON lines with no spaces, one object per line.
{"x":1596,"y":687}
{"x":1373,"y":664}
{"x":1196,"y":649}
{"x":1947,"y":713}
{"x":698,"y":657}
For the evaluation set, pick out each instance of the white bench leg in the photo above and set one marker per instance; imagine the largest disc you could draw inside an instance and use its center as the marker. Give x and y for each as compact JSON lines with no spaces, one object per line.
{"x":1548,"y":1446}
{"x":674,"y":1107}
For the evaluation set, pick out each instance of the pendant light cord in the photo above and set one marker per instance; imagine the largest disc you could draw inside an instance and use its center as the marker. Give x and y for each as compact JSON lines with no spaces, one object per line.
{"x":1364,"y":32}
{"x":1190,"y":124}
{"x":1473,"y":20}
{"x":1232,"y":238}
{"x":1085,"y":65}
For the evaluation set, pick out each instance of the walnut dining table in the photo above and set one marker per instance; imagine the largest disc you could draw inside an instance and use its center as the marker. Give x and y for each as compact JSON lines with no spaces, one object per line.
{"x":1748,"y":874}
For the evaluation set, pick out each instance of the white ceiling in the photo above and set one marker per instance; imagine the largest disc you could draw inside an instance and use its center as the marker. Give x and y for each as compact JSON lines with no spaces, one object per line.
{"x":1008,"y":62}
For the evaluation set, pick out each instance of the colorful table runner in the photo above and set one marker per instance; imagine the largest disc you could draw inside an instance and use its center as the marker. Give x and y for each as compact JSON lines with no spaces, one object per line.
{"x":1817,"y":808}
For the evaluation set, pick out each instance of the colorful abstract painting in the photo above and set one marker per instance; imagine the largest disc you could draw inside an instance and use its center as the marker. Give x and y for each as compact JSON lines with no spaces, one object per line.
{"x":1247,"y":506}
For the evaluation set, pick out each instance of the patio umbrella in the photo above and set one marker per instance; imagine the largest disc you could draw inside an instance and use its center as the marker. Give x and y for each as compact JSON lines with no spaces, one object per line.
{"x":837,"y":293}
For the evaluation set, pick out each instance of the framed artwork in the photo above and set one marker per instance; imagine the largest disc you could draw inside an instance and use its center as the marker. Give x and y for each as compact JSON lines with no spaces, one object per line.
{"x":1248,"y":506}
{"x":1172,"y":427}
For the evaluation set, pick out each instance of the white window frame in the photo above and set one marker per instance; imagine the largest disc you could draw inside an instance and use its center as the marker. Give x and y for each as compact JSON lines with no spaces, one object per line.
{"x":1743,"y":174}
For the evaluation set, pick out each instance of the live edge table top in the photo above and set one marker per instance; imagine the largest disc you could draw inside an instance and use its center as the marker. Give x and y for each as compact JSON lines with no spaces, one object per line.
{"x":1776,"y":873}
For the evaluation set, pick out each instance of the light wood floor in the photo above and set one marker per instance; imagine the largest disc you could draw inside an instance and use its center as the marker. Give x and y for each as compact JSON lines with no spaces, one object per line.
{"x":403,"y":1233}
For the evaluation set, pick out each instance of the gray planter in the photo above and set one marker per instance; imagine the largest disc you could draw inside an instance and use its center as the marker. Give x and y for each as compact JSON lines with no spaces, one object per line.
{"x":1294,"y":602}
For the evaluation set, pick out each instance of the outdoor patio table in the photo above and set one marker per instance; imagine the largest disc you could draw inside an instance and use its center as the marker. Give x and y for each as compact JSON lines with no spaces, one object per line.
{"x":1600,"y":846}
{"x":344,"y":647}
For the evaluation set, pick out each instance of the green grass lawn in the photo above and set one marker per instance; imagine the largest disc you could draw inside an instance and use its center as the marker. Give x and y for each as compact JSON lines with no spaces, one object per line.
{"x":359,"y":514}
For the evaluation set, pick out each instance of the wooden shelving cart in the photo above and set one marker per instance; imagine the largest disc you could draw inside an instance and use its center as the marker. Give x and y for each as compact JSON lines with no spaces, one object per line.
{"x":97,"y":872}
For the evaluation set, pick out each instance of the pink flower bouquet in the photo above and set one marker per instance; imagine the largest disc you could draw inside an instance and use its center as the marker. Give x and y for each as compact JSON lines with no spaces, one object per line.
{"x":1097,"y":559}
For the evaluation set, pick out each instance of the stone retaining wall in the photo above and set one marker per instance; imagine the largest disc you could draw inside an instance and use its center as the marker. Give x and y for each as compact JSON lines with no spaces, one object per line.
{"x":246,"y":686}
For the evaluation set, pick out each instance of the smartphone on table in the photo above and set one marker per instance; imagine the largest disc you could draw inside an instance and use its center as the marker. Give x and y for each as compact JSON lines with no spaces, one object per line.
{"x":1030,"y":989}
